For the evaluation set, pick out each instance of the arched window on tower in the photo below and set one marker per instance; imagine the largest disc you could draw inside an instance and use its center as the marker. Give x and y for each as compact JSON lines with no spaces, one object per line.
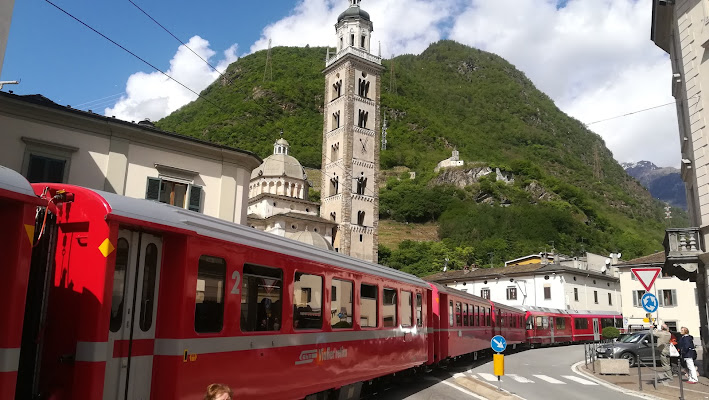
{"x":334,"y":184}
{"x":360,"y":218}
{"x":334,"y":151}
{"x":335,"y":120}
{"x":362,"y":41}
{"x":362,"y":122}
{"x":361,"y":184}
{"x":337,"y":89}
{"x":352,"y":40}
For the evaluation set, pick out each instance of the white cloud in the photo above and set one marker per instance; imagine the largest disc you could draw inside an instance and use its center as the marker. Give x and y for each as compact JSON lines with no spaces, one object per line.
{"x":594,"y":58}
{"x":153,"y":95}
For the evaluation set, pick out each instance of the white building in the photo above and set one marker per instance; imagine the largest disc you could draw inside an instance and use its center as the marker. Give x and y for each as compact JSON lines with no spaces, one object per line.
{"x":47,"y":142}
{"x":678,"y":298}
{"x":453,"y":161}
{"x":278,"y":200}
{"x":550,"y":285}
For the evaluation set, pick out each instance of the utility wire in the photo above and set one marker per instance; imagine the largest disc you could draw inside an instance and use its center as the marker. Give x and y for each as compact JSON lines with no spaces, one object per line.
{"x":178,"y":39}
{"x":636,"y":112}
{"x":101,"y":100}
{"x":136,"y":56}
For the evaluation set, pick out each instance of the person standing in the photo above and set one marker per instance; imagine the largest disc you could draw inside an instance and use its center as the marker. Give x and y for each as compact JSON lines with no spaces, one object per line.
{"x":663,"y":345}
{"x":688,"y":353}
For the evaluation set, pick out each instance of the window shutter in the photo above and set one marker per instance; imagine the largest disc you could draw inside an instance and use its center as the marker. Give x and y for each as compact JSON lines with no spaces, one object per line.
{"x":635,"y":298}
{"x":659,"y":298}
{"x":152,"y":189}
{"x":195,"y":201}
{"x":674,"y":297}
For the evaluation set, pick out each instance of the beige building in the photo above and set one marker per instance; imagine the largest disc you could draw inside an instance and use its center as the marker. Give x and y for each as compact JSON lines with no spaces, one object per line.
{"x":681,"y":28}
{"x":350,"y":154}
{"x":279,"y":204}
{"x":678,"y":299}
{"x":47,"y":142}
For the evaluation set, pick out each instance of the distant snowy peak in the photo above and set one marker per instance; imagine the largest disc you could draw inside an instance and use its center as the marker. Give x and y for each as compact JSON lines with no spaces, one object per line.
{"x":664,"y":183}
{"x":644,"y":165}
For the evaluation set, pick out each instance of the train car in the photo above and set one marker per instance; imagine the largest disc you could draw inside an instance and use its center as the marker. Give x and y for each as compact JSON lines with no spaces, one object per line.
{"x":509,"y":322}
{"x":464,"y":323}
{"x":587,"y":325}
{"x":147,"y":300}
{"x":18,"y":206}
{"x":547,"y":326}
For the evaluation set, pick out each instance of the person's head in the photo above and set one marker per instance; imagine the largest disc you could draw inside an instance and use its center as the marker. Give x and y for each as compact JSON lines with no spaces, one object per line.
{"x":684,"y":330}
{"x":218,"y":391}
{"x":665,"y":328}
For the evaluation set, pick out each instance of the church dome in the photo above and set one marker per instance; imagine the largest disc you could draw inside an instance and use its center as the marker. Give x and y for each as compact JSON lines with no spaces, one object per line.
{"x":355,"y":11}
{"x":311,"y":238}
{"x":280,"y":164}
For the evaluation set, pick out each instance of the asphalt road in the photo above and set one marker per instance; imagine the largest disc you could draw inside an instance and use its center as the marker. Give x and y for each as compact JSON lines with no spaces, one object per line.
{"x":539,"y":374}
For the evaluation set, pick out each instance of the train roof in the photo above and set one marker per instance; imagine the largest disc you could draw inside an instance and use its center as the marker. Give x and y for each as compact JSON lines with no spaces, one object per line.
{"x":457,"y":292}
{"x":13,"y":182}
{"x":204,"y":225}
{"x":569,"y":312}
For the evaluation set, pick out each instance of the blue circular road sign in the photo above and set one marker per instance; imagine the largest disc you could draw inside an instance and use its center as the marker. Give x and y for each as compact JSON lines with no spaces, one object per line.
{"x":649,"y":302}
{"x":498,"y":343}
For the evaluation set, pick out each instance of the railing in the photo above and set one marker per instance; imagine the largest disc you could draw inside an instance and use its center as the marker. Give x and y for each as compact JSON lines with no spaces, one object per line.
{"x":682,"y":250}
{"x":354,"y":51}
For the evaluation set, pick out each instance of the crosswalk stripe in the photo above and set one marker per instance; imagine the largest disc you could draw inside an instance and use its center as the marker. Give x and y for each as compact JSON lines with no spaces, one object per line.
{"x":549,"y":379}
{"x":519,"y":379}
{"x":579,"y":380}
{"x":458,"y":375}
{"x":488,"y":377}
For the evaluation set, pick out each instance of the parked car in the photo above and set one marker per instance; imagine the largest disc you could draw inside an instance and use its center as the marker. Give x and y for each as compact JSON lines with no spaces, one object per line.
{"x":629,"y":347}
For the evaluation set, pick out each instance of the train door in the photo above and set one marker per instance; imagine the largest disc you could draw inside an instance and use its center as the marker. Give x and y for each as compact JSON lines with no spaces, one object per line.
{"x":596,"y":331}
{"x":131,"y":333}
{"x":551,"y":330}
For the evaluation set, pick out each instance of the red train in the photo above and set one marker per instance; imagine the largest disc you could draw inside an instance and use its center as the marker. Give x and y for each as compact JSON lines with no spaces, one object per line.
{"x":548,"y":326}
{"x":136,"y":299}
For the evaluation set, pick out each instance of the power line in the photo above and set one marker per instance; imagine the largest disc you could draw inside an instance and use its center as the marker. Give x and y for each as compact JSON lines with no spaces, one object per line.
{"x":636,"y":112}
{"x":101,"y":100}
{"x":135,"y":55}
{"x":178,"y":39}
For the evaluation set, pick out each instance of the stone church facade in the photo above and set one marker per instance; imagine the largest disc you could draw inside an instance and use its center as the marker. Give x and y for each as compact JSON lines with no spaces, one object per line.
{"x":350,"y":161}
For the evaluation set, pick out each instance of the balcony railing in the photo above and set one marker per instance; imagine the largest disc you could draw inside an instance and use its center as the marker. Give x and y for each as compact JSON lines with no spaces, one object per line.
{"x":682,"y":250}
{"x":354,"y":51}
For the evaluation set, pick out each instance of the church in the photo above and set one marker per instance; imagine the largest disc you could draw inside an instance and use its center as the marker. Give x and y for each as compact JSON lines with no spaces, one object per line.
{"x":349,"y":210}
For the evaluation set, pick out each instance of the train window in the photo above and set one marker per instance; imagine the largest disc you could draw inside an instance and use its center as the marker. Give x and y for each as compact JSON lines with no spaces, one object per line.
{"x":466,"y":310}
{"x":407,"y":316}
{"x":209,"y":301}
{"x":545,"y":322}
{"x":619,"y":323}
{"x":419,"y":310}
{"x":307,"y":301}
{"x":560,"y":323}
{"x":341,"y":309}
{"x":368,"y":317}
{"x":530,"y":322}
{"x":261,"y":298}
{"x":488,"y":317}
{"x":580,"y":323}
{"x":458,"y":317}
{"x":389,"y":308}
{"x":147,"y":297}
{"x":539,"y":322}
{"x":476,"y":316}
{"x":606,"y":322}
{"x":451,"y":316}
{"x":119,"y":283}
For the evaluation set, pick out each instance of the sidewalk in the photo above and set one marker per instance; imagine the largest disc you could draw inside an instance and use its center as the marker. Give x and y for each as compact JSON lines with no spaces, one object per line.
{"x":665,"y":389}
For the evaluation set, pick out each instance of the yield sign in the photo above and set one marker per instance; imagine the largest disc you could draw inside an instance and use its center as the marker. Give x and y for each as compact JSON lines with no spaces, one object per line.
{"x":646,"y":276}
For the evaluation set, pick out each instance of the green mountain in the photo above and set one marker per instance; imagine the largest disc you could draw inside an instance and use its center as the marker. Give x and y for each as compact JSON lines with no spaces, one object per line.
{"x":567,"y":193}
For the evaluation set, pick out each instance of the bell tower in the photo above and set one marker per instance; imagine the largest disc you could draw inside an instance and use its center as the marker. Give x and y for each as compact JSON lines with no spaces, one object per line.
{"x":350,"y":162}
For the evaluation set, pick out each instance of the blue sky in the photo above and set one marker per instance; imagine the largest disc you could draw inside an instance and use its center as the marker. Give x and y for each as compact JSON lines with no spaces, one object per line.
{"x":594,"y":58}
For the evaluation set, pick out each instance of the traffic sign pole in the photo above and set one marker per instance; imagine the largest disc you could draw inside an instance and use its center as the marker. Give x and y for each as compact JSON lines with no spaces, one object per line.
{"x":498,"y":345}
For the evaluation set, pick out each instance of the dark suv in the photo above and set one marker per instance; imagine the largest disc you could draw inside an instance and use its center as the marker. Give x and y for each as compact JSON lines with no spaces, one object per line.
{"x":631,"y":346}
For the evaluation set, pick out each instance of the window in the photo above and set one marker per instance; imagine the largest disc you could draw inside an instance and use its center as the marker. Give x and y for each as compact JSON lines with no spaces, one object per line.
{"x":147,"y":297}
{"x":178,"y":194}
{"x":389,"y":308}
{"x":119,"y":283}
{"x":261,"y":295}
{"x":619,"y":322}
{"x":485,"y":293}
{"x":407,"y":316}
{"x":576,"y":294}
{"x":419,"y":310}
{"x":547,"y":293}
{"x":307,"y":301}
{"x":362,"y":121}
{"x":466,"y":308}
{"x":530,"y":322}
{"x":637,"y":296}
{"x":360,"y":218}
{"x":511,"y":293}
{"x":361,"y":41}
{"x":209,"y":301}
{"x":580,"y":323}
{"x":451,"y":316}
{"x":632,"y":276}
{"x":667,"y":298}
{"x":458,"y":317}
{"x":46,"y":161}
{"x":538,"y":322}
{"x":560,"y":323}
{"x":341,"y":309}
{"x":595,"y":296}
{"x":488,"y":317}
{"x":610,"y":299}
{"x":545,"y":322}
{"x":671,"y":325}
{"x":352,"y":40}
{"x":368,"y":317}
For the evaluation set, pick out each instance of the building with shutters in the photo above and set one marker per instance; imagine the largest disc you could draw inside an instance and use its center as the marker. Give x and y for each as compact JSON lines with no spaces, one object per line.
{"x":678,"y":299}
{"x":47,"y":142}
